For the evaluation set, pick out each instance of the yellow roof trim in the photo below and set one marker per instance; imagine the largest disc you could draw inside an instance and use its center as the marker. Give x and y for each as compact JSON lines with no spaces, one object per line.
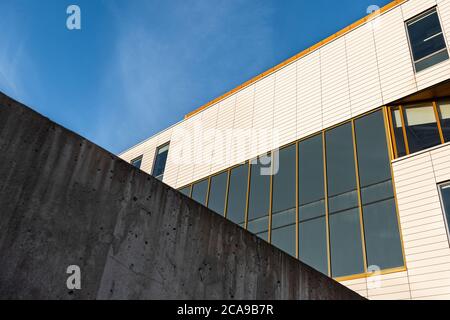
{"x":338,"y":34}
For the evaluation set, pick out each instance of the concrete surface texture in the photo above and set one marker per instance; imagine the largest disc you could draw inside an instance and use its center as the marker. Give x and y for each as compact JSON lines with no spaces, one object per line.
{"x":65,"y":201}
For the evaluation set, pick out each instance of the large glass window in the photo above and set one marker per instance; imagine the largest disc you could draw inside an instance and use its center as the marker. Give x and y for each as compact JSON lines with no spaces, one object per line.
{"x":284,"y":200}
{"x":421,"y":127}
{"x":444,"y":113}
{"x":137,"y":162}
{"x":382,"y":237}
{"x":426,"y":40}
{"x":345,"y":227}
{"x":445,"y":198}
{"x":199,"y":191}
{"x":160,"y":162}
{"x":259,"y":196}
{"x":217,"y":193}
{"x":237,"y":194}
{"x":311,"y":195}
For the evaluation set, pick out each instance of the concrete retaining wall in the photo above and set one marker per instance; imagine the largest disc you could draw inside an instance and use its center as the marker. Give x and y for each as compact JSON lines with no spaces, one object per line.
{"x":65,"y":201}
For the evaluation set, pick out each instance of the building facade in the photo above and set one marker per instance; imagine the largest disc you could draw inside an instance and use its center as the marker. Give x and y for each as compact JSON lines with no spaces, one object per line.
{"x":339,"y":156}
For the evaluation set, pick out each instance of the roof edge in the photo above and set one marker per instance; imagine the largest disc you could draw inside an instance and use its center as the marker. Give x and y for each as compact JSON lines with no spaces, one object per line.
{"x":303,"y":53}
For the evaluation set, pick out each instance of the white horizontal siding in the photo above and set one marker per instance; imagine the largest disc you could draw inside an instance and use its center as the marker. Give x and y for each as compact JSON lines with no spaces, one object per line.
{"x":425,"y":237}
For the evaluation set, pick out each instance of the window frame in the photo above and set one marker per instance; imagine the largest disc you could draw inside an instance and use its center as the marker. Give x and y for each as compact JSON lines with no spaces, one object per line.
{"x":167,"y":144}
{"x":402,"y":107}
{"x":140,"y":158}
{"x":440,"y":186}
{"x":416,"y":19}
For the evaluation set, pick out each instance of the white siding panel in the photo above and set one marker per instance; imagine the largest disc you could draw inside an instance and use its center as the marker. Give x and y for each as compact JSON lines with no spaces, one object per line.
{"x":242,"y":127}
{"x":335,"y":85}
{"x":394,"y":58}
{"x":204,"y":149}
{"x":309,"y":95}
{"x":285,"y":108}
{"x":424,"y":232}
{"x":222,"y":142}
{"x":412,"y":8}
{"x":186,"y":139}
{"x":364,"y":80}
{"x":263,"y":116}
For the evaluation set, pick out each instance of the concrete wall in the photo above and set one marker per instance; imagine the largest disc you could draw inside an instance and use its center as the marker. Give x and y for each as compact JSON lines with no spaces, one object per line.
{"x":65,"y":201}
{"x":364,"y":69}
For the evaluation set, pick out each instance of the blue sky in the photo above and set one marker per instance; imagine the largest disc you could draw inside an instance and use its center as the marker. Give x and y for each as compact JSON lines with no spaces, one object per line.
{"x":138,"y":66}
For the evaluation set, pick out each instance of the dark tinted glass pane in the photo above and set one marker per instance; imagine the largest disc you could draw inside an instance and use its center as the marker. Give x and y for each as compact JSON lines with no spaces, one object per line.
{"x":432,"y":60}
{"x":444,"y":111}
{"x":137,"y":162}
{"x":311,"y":210}
{"x":258,"y":225}
{"x":199,"y":191}
{"x":383,"y":246}
{"x":445,"y":193}
{"x":398,"y":132}
{"x":217,"y":192}
{"x":343,"y":202}
{"x":284,"y":239}
{"x":377,"y":192}
{"x":283,"y":218}
{"x":421,"y":127}
{"x":259,"y":197}
{"x":313,"y":244}
{"x":424,"y":36}
{"x":340,"y":160}
{"x":186,"y":191}
{"x":310,"y":170}
{"x":284,"y":179}
{"x":237,"y":194}
{"x":371,"y":145}
{"x":345,"y":241}
{"x":160,"y":161}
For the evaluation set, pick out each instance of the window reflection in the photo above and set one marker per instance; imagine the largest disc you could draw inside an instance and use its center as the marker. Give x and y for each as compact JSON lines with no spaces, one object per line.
{"x":199,"y":191}
{"x":217,"y":193}
{"x":398,"y":132}
{"x":237,"y":194}
{"x":259,"y":196}
{"x":421,"y":127}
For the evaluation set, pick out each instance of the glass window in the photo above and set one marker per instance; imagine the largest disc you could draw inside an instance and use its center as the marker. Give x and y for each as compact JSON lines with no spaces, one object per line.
{"x":312,"y":244}
{"x":310,"y":170}
{"x":445,"y":198}
{"x":312,"y":231}
{"x":371,"y":146}
{"x":186,"y":191}
{"x":340,"y":160}
{"x":284,"y":239}
{"x":237,"y":194}
{"x":444,"y":112}
{"x":137,"y":162}
{"x":284,"y":179}
{"x":345,"y":244}
{"x":199,"y":191}
{"x":383,"y":245}
{"x":398,"y":132}
{"x":426,"y":40}
{"x":259,"y":196}
{"x":160,"y":162}
{"x":284,"y":200}
{"x":217,"y":193}
{"x":421,"y":127}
